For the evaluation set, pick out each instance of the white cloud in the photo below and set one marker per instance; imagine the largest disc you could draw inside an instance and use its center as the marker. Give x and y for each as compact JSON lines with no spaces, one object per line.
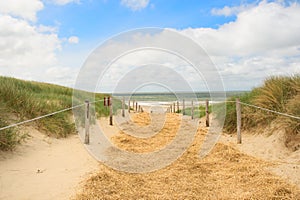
{"x":73,"y":40}
{"x":46,"y":29}
{"x":25,"y":9}
{"x":263,"y":40}
{"x":25,"y":50}
{"x":64,"y":2}
{"x":135,"y":4}
{"x":228,"y":11}
{"x":29,"y":50}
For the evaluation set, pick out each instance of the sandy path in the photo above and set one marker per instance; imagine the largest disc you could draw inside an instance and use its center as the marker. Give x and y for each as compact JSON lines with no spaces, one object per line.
{"x":44,"y":168}
{"x":225,"y":173}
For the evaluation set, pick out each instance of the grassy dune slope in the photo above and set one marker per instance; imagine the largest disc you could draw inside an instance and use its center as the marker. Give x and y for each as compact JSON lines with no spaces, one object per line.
{"x":21,"y":100}
{"x":278,"y":93}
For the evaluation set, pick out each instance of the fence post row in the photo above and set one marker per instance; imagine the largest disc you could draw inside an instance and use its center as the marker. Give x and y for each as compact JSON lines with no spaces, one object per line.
{"x":238,"y":121}
{"x":87,"y":122}
{"x":207,"y":112}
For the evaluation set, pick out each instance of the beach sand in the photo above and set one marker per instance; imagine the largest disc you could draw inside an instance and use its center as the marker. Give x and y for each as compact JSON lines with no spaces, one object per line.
{"x":44,"y":168}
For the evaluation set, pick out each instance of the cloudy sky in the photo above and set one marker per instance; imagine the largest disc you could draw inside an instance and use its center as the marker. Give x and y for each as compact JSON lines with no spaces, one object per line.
{"x":49,"y":40}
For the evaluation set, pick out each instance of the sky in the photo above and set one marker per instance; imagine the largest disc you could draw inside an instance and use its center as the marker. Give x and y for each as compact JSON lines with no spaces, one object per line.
{"x":248,"y":41}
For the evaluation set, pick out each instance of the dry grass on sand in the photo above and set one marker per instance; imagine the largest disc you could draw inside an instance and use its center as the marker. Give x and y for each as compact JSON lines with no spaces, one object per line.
{"x":225,"y":173}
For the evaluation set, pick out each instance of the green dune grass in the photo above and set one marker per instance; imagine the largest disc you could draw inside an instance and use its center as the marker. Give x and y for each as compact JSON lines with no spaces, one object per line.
{"x":21,"y":100}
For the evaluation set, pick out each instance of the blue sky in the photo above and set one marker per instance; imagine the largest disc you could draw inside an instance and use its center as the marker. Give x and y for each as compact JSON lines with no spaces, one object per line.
{"x":102,"y":19}
{"x":49,"y":40}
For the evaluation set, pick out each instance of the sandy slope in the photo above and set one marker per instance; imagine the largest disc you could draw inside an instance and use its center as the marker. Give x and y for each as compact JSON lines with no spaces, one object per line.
{"x":44,"y":168}
{"x":271,"y":148}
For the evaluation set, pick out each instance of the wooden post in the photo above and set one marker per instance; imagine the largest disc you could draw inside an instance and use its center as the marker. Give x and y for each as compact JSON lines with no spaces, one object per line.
{"x":123,"y":107}
{"x":207,"y":112}
{"x":133,"y":105}
{"x":170,"y":108}
{"x":183,"y":107}
{"x":136,"y":106}
{"x":110,"y":111}
{"x":129,"y":106}
{"x":192,"y":110}
{"x":238,"y":121}
{"x":139,"y":108}
{"x":174,"y":107}
{"x":87,"y":122}
{"x":178,"y":106}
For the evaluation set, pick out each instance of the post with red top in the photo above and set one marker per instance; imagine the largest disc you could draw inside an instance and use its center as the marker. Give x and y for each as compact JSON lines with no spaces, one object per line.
{"x":110,"y":111}
{"x":207,"y":112}
{"x":87,"y":122}
{"x":238,"y":121}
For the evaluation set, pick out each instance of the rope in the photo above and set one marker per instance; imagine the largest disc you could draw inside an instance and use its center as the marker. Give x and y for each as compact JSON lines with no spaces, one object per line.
{"x":265,"y":109}
{"x":272,"y":111}
{"x":40,"y":117}
{"x":47,"y":115}
{"x":97,"y":101}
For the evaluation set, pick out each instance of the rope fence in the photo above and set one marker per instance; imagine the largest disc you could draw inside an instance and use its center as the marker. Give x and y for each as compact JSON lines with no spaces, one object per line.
{"x":172,"y":109}
{"x":108,"y":101}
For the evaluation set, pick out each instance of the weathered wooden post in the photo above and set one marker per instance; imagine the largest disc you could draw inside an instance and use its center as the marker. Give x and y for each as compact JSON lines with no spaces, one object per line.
{"x":238,"y":121}
{"x":136,"y":106}
{"x":123,"y":107}
{"x":87,"y":122}
{"x":170,"y":108}
{"x":177,"y":106}
{"x":174,"y":107}
{"x":183,"y":107}
{"x":207,"y":112}
{"x":129,"y":106}
{"x":110,"y":111}
{"x":192,"y":110}
{"x":139,"y":108}
{"x":133,"y":105}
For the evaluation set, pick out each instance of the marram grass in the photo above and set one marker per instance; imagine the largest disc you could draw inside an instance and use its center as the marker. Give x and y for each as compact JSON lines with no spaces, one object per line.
{"x":278,"y":93}
{"x":21,"y":100}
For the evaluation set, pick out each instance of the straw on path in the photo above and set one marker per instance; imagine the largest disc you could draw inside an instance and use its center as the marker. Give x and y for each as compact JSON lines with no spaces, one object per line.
{"x":225,"y":173}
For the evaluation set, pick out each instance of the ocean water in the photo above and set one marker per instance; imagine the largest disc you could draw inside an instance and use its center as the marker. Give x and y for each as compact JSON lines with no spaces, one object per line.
{"x":166,"y":99}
